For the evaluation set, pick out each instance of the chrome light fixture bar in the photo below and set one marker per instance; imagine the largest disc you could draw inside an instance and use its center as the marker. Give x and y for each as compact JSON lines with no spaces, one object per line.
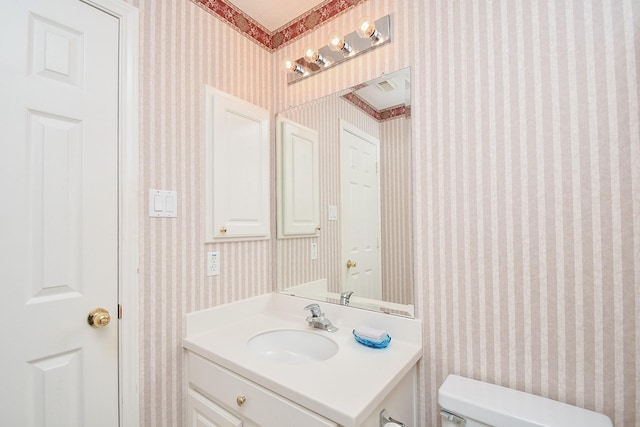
{"x":365,"y":39}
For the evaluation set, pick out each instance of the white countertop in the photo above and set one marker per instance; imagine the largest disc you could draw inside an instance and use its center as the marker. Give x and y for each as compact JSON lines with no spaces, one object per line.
{"x":344,"y":388}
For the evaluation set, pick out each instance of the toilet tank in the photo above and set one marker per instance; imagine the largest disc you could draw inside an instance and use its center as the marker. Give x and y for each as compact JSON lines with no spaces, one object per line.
{"x":480,"y":404}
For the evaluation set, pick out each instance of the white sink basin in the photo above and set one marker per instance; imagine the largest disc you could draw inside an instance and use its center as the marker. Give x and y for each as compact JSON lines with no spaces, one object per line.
{"x":293,"y":346}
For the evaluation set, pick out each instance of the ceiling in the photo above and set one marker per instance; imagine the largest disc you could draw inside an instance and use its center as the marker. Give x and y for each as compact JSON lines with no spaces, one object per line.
{"x":274,"y":14}
{"x":388,"y":90}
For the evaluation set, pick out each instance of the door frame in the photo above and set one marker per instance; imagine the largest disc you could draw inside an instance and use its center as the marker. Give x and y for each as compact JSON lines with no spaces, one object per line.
{"x":128,"y":176}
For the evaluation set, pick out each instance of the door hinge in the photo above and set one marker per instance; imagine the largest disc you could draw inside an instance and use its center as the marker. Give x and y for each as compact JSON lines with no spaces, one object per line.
{"x":119,"y":312}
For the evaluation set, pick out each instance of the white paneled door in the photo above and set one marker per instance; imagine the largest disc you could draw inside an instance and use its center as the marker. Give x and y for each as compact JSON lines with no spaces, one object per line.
{"x":59,"y":215}
{"x":360,"y":212}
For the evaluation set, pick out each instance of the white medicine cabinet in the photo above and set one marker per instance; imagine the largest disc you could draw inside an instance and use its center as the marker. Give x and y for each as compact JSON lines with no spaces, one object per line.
{"x":237,"y":168}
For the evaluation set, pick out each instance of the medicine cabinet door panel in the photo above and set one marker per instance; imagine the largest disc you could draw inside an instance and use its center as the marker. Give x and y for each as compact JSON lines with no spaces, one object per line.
{"x":298,"y":180}
{"x":237,"y":141}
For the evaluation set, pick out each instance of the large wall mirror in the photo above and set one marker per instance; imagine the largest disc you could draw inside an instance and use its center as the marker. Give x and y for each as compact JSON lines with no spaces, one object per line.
{"x":360,"y":251}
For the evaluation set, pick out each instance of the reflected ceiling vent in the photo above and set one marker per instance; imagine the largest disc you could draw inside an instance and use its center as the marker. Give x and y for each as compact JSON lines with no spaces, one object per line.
{"x":386,"y":85}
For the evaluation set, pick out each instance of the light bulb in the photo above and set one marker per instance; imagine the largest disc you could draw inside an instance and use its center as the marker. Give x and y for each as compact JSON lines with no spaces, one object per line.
{"x":337,"y":44}
{"x":312,"y":55}
{"x":308,"y":54}
{"x":367,"y":30}
{"x":293,"y":67}
{"x":288,"y":65}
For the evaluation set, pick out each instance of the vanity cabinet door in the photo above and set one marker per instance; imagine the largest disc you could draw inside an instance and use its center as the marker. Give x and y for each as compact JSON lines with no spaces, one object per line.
{"x":237,"y":166}
{"x":248,"y":401}
{"x":201,"y":412}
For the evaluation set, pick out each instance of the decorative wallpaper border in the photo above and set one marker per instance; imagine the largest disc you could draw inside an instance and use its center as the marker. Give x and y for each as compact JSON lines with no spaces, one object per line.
{"x":380,"y":115}
{"x":269,"y":40}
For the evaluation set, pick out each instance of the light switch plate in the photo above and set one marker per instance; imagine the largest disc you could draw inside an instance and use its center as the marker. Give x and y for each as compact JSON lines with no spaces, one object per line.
{"x":314,"y":250}
{"x":333,"y":213}
{"x":163,"y":204}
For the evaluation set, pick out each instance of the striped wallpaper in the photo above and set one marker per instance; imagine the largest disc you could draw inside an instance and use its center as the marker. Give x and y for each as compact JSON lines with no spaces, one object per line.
{"x":530,"y":132}
{"x":183,"y":48}
{"x":396,"y":211}
{"x":526,"y":188}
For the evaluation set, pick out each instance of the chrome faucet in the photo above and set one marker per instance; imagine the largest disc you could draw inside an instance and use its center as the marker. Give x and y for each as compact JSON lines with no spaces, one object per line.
{"x":344,"y":297}
{"x":317,"y":319}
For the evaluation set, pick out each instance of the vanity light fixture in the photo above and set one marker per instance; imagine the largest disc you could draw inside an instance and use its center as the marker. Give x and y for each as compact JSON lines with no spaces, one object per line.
{"x":315,"y":57}
{"x":294,"y":67}
{"x":367,"y":30}
{"x":338,"y":44}
{"x":369,"y":35}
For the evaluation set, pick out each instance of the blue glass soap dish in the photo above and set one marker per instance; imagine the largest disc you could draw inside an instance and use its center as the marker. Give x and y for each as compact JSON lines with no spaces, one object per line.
{"x":373,"y":344}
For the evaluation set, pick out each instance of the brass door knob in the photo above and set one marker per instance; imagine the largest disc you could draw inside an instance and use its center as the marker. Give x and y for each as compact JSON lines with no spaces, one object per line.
{"x":99,"y":317}
{"x":223,"y":230}
{"x":351,"y":264}
{"x":240,"y":400}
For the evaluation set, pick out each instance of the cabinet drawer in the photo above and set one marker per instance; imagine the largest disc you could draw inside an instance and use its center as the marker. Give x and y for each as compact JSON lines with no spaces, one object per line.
{"x":261,"y":406}
{"x":201,"y":412}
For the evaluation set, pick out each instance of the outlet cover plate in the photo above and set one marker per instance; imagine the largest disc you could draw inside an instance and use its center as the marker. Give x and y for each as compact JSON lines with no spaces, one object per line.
{"x":213,"y":263}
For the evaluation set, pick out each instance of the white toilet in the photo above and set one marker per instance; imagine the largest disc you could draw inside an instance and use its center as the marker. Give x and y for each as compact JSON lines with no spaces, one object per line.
{"x":471,"y":403}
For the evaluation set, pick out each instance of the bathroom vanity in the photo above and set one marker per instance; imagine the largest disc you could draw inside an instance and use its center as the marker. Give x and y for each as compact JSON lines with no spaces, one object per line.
{"x":242,"y":370}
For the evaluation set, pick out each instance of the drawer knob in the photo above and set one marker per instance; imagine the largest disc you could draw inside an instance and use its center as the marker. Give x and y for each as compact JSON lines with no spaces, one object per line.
{"x":240,"y":400}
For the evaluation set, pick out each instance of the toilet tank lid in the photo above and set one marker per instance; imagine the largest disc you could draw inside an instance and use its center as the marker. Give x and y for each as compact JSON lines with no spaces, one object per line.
{"x":500,"y":406}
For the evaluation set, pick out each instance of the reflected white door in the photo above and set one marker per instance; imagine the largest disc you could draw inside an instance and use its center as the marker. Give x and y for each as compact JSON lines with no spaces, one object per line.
{"x":360,"y":212}
{"x":59,"y":220}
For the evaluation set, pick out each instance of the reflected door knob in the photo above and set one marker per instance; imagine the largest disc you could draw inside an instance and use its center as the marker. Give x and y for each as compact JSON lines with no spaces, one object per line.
{"x":351,"y":264}
{"x":99,"y":317}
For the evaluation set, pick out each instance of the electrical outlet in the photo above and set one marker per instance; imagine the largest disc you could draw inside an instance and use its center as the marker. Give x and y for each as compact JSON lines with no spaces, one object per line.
{"x":213,"y":263}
